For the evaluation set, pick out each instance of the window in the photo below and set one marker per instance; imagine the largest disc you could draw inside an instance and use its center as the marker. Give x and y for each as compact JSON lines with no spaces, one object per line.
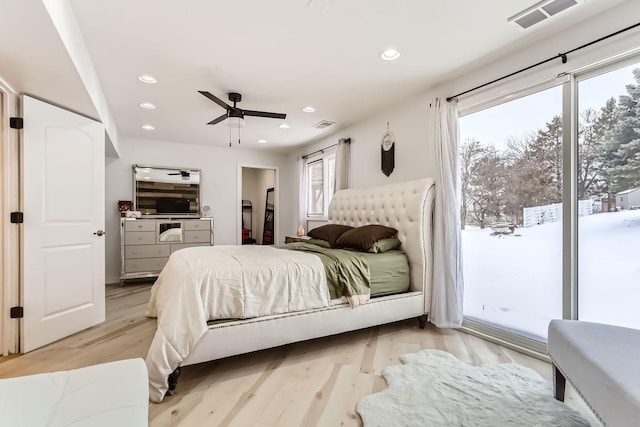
{"x":511,"y":213}
{"x":609,"y":165}
{"x":549,"y":209}
{"x":320,"y":184}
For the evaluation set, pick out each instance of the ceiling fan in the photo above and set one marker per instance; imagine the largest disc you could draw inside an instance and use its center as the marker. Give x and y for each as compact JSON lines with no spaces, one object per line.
{"x":235,"y":115}
{"x":185,"y":174}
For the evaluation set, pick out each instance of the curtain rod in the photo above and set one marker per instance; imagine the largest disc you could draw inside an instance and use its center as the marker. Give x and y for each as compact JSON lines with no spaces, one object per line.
{"x":322,"y":150}
{"x":562,"y":56}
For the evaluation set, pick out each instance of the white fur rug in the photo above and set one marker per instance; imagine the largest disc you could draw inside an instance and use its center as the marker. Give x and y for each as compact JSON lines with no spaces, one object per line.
{"x":433,"y":388}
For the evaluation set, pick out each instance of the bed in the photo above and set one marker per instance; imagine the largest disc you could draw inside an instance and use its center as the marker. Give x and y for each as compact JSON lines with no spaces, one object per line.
{"x":301,"y":309}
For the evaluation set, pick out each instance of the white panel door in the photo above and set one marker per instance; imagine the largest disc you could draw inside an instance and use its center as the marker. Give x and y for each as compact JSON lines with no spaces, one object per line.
{"x":63,"y":253}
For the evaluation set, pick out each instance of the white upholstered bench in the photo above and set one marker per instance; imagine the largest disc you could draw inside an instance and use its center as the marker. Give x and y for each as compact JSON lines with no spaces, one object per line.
{"x":602,"y":362}
{"x":107,"y":395}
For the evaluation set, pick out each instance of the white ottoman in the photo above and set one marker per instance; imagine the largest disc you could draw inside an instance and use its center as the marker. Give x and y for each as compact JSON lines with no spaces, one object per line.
{"x":602,"y":362}
{"x":111,"y":394}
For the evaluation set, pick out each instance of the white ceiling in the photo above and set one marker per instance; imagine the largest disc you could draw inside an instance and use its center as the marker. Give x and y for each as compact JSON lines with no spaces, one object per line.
{"x":280,"y":55}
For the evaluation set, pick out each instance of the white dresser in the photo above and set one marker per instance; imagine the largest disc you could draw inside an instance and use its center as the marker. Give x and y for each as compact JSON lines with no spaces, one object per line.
{"x":146,"y":243}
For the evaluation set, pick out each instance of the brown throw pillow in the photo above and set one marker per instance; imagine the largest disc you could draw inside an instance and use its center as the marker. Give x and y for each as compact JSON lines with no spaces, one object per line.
{"x":329,"y":232}
{"x":363,"y":238}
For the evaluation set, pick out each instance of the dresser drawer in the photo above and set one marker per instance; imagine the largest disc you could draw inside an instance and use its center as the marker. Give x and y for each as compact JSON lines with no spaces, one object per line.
{"x":146,"y":251}
{"x":203,"y":236}
{"x":140,"y":238}
{"x":196,"y":224}
{"x":139,"y":226}
{"x":187,"y":245}
{"x":144,"y":264}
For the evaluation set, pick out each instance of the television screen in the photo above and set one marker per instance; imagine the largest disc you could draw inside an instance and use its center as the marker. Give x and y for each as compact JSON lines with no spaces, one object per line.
{"x":172,"y":205}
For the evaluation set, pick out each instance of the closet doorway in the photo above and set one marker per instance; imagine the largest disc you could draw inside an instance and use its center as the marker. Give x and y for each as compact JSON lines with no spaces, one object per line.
{"x":257,"y":204}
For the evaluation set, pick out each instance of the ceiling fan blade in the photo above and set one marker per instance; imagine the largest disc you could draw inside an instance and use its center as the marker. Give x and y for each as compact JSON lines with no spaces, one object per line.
{"x":217,"y":120}
{"x":264,"y":114}
{"x":215,"y":99}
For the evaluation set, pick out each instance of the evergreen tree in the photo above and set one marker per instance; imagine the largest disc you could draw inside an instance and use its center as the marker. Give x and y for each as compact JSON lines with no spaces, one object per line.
{"x":622,"y":141}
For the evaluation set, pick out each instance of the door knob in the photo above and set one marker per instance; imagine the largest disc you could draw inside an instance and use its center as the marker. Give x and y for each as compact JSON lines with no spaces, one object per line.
{"x":99,"y":233}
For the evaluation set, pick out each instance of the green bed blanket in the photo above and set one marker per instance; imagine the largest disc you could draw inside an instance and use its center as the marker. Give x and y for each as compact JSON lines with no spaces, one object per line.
{"x":347,"y":271}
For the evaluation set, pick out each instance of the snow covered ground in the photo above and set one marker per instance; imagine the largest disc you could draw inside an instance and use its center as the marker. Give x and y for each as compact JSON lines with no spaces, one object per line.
{"x":515,"y":281}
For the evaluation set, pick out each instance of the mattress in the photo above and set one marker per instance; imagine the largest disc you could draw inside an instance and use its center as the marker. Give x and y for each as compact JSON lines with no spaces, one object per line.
{"x":389,"y":275}
{"x":389,"y":272}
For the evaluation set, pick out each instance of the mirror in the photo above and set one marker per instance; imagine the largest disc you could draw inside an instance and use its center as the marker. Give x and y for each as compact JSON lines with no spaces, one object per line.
{"x":169,"y":232}
{"x":166,"y":191}
{"x":267,"y":231}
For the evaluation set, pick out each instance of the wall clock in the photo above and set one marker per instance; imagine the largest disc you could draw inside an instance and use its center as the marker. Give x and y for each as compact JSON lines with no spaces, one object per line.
{"x":387,"y":152}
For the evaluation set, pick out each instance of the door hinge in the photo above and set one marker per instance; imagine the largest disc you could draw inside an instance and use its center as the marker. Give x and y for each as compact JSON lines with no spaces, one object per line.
{"x":17,"y":217}
{"x":16,"y":122}
{"x":16,"y":312}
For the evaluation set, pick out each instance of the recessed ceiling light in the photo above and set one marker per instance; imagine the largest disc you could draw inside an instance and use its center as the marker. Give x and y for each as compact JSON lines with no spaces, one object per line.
{"x":148,"y":106}
{"x":262,"y":141}
{"x":148,"y":127}
{"x":308,"y":109}
{"x":390,"y":55}
{"x":147,"y":78}
{"x":284,"y":126}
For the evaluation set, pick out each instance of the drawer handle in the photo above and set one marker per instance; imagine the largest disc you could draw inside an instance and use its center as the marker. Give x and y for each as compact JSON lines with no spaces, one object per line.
{"x":139,"y":237}
{"x":135,"y":265}
{"x":139,"y":225}
{"x":135,"y":252}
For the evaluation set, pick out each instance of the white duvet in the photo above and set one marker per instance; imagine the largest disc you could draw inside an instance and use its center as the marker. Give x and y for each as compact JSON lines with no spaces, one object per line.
{"x":218,"y":282}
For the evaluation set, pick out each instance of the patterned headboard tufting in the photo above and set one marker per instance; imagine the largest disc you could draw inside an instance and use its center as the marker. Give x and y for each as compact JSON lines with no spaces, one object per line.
{"x":407,"y":207}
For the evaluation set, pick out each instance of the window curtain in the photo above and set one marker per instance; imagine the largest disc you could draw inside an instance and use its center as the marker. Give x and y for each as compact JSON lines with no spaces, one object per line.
{"x":448,"y":286}
{"x":343,"y":164}
{"x":302,"y":191}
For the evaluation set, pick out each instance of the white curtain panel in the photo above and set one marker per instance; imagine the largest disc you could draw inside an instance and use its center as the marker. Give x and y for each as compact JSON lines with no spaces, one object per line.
{"x":448,"y":285}
{"x":301,"y":172}
{"x":343,"y":164}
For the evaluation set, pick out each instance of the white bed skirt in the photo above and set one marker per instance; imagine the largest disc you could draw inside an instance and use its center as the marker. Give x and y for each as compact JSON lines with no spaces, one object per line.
{"x":271,"y":331}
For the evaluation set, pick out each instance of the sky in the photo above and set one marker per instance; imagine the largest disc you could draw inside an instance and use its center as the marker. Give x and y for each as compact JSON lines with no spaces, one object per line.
{"x":530,"y":113}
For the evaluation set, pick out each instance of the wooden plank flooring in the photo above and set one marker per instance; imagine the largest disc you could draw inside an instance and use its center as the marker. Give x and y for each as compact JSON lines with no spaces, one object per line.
{"x":316,"y":382}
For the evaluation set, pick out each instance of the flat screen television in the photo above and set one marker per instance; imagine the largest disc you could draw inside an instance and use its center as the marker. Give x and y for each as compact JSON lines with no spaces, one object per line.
{"x":172,"y":205}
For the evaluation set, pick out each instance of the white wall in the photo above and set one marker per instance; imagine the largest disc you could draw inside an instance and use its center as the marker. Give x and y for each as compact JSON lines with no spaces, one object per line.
{"x":218,"y":185}
{"x":414,"y":153}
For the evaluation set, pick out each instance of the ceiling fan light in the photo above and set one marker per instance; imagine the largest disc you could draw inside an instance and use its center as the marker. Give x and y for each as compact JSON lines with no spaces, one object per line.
{"x":235,"y":122}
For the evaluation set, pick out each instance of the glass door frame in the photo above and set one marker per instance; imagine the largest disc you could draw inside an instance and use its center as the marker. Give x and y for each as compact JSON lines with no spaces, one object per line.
{"x":570,"y":119}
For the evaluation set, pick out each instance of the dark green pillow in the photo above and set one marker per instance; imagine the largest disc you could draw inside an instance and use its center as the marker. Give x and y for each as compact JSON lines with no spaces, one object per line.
{"x":319,"y":242}
{"x":384,"y":245}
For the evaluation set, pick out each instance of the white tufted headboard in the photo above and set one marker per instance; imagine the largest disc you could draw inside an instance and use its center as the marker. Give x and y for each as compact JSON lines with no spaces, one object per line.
{"x":407,"y":207}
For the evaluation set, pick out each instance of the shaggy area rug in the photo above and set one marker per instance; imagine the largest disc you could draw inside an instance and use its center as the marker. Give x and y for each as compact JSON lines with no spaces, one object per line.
{"x":433,"y":388}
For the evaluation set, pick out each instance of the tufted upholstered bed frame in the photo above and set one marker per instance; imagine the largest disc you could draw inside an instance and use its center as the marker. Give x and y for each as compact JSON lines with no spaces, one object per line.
{"x":408,"y":207}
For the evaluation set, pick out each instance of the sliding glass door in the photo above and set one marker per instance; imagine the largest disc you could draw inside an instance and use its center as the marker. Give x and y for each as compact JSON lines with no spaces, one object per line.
{"x":511,"y":213}
{"x":609,"y":193}
{"x":525,"y":262}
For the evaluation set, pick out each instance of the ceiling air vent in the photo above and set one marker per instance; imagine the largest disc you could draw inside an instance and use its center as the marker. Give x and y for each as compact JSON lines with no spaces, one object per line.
{"x":541,"y":11}
{"x":323,"y":124}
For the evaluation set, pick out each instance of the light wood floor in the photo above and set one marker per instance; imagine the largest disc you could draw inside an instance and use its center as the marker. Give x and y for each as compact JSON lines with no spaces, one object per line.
{"x":317,"y":382}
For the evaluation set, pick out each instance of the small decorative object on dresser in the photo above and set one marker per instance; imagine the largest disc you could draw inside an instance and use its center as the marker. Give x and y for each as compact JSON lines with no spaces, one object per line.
{"x":124,"y":206}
